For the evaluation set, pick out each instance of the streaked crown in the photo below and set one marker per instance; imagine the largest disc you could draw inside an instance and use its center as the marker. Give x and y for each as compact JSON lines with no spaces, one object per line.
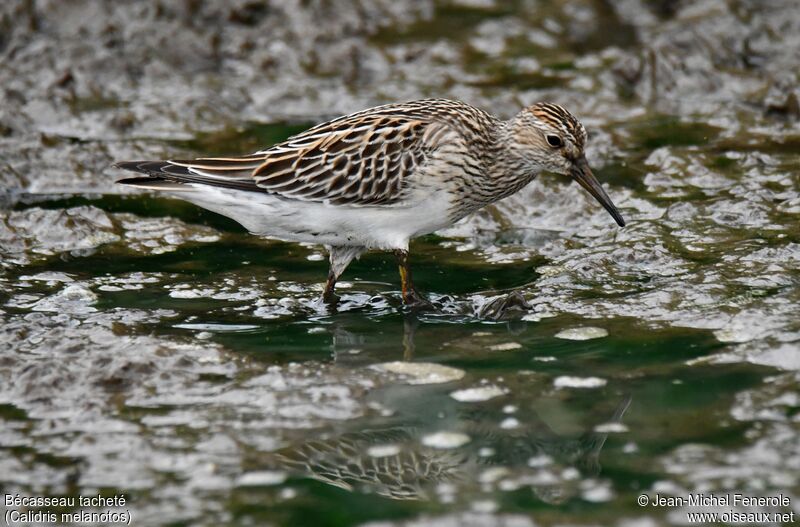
{"x":558,"y":118}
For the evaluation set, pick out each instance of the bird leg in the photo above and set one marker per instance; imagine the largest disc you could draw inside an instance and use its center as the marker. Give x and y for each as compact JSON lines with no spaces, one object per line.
{"x":340,"y":257}
{"x":411,"y":296}
{"x":329,"y":296}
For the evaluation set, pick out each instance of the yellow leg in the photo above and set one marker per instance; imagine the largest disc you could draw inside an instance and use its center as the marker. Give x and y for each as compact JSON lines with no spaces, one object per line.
{"x":411,"y":296}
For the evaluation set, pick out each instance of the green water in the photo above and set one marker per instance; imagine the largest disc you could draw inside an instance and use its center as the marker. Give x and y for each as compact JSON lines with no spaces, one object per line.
{"x":651,"y":372}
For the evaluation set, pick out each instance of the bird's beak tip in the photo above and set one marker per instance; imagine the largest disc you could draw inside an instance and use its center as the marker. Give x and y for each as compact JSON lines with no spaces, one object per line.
{"x":583,"y":175}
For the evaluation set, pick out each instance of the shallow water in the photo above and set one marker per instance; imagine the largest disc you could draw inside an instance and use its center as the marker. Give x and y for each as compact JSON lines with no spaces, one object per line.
{"x":157,"y":350}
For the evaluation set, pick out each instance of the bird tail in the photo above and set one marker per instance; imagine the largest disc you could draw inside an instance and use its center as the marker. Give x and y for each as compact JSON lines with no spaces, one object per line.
{"x":182,"y":175}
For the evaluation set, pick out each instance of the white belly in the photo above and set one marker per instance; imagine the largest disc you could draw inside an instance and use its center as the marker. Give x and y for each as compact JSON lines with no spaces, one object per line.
{"x":386,"y":227}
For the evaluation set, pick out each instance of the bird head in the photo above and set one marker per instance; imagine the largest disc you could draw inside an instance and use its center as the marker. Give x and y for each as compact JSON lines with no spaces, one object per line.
{"x":548,"y":137}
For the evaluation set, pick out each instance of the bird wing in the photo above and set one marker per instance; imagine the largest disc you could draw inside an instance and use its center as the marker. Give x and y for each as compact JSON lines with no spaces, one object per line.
{"x":361,"y":159}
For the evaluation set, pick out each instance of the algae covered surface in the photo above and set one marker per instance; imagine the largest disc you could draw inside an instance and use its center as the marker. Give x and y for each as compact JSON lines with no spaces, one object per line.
{"x":158,"y":351}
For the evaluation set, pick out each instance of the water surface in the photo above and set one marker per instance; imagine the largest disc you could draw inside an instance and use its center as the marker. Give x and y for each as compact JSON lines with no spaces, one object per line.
{"x":158,"y":350}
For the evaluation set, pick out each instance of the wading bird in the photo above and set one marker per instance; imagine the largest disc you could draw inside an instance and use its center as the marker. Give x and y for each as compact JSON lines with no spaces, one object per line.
{"x":377,"y":178}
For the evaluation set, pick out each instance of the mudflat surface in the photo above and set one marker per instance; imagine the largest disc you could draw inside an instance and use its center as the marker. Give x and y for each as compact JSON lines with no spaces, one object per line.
{"x":153,"y":349}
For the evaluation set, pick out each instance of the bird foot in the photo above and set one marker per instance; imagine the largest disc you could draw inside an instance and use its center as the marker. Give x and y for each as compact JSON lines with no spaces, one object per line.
{"x":416,"y":302}
{"x":331,"y":299}
{"x":504,"y":307}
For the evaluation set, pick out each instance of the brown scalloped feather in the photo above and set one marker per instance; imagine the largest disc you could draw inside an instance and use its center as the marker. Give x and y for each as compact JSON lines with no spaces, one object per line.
{"x":364,"y":158}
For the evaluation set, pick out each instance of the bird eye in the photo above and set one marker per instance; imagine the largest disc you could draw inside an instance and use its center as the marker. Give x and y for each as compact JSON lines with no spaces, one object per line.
{"x":554,"y":141}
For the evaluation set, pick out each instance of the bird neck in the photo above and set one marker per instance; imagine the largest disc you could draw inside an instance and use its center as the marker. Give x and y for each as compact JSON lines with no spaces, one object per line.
{"x":508,"y":169}
{"x":497,"y":172}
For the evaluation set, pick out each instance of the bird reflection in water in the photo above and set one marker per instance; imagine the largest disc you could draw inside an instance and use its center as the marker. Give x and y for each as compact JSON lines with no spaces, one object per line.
{"x":395,"y":461}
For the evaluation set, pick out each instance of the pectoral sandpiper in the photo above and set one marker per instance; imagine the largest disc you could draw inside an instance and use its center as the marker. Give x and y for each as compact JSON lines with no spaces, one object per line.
{"x":377,"y":178}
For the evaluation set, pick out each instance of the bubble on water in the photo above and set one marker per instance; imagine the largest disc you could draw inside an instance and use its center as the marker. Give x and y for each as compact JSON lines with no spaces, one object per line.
{"x":536,"y":317}
{"x":570,"y":473}
{"x":217,"y":327}
{"x":541,"y":460}
{"x":784,"y":356}
{"x":383,"y":450}
{"x":582,"y":333}
{"x":190,"y":293}
{"x":478,"y":394}
{"x":261,"y":478}
{"x":74,"y":299}
{"x":597,"y":492}
{"x":610,"y":428}
{"x":50,"y":277}
{"x":509,"y":423}
{"x":273,"y":309}
{"x":736,"y":334}
{"x":493,"y":474}
{"x":568,"y":381}
{"x":630,"y":448}
{"x":485,"y":506}
{"x":445,"y":440}
{"x":551,"y":270}
{"x":161,"y":235}
{"x":421,"y":372}
{"x":288,"y":493}
{"x":506,"y":346}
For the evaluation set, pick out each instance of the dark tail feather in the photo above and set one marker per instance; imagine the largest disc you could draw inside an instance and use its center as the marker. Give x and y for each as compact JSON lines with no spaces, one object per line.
{"x":153,"y":183}
{"x":164,"y":175}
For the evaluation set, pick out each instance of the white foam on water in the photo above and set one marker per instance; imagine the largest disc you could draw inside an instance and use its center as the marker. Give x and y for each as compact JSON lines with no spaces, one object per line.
{"x":216,"y":327}
{"x":611,"y":428}
{"x":493,"y":474}
{"x":478,"y":394}
{"x":191,"y":293}
{"x":736,"y":334}
{"x":539,"y":461}
{"x":536,"y":317}
{"x":548,"y":358}
{"x":48,"y":276}
{"x":485,"y":506}
{"x":568,"y":381}
{"x":506,"y":346}
{"x":445,"y":440}
{"x":582,"y":333}
{"x":383,"y":450}
{"x":421,"y":372}
{"x":261,"y":478}
{"x":73,"y":299}
{"x":598,"y":493}
{"x":509,"y":423}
